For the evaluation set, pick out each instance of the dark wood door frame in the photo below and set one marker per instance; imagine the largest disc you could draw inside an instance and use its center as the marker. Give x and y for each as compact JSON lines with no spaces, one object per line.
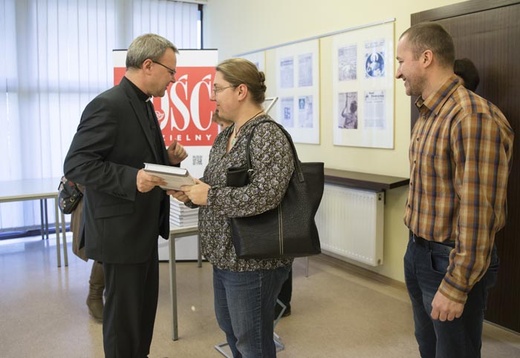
{"x":500,"y":83}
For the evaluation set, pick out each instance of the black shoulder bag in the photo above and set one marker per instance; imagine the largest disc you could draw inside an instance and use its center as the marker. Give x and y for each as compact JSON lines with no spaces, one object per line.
{"x":289,"y":230}
{"x":69,"y":195}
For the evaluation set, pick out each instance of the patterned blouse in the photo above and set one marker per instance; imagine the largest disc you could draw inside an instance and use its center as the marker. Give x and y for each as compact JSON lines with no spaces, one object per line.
{"x":272,"y":162}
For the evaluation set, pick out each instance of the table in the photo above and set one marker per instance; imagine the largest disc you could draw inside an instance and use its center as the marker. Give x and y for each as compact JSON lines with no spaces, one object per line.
{"x":177,"y":232}
{"x":38,"y":189}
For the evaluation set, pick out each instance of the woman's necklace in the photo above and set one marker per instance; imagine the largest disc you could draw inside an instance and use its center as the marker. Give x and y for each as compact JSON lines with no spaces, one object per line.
{"x":237,"y":131}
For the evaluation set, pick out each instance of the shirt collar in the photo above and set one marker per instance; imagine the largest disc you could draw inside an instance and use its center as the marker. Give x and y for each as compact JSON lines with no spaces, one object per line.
{"x":140,"y":94}
{"x":436,"y":100}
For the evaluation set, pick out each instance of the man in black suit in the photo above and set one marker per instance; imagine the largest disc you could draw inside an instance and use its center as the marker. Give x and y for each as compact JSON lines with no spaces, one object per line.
{"x":124,"y":209}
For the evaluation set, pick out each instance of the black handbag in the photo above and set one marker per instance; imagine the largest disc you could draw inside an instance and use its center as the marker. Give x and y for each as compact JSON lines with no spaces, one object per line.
{"x":289,"y":230}
{"x":69,"y":195}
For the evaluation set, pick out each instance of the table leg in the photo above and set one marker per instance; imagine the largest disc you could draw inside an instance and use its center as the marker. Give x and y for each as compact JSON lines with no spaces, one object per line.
{"x":173,"y":288}
{"x":46,"y":220}
{"x":199,"y":256}
{"x":64,"y":239}
{"x":42,"y":226}
{"x":57,"y":226}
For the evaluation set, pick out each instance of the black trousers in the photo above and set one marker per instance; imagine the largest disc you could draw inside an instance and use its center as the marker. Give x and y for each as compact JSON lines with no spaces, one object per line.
{"x":131,"y":294}
{"x":285,"y":294}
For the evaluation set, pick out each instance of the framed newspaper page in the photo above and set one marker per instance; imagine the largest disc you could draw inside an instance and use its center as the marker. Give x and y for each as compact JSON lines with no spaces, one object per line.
{"x":298,"y":89}
{"x":363,"y":87}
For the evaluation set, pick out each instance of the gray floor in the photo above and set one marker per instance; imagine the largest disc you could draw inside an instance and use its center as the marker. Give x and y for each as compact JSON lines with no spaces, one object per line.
{"x":337,"y":311}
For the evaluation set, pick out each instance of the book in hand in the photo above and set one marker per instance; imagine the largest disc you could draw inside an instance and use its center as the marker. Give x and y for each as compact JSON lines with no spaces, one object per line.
{"x":174,"y":177}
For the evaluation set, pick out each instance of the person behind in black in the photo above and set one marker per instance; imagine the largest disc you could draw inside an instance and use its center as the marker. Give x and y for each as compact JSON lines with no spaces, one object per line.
{"x":125,"y":210}
{"x":285,"y":297}
{"x":467,"y":71}
{"x":97,"y":277}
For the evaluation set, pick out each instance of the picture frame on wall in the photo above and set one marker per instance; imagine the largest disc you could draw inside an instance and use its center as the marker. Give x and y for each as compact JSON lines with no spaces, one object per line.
{"x":297,"y":86}
{"x":363,"y":87}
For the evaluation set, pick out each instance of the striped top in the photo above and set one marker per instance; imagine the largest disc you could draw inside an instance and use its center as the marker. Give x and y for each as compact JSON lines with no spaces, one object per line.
{"x":460,"y":159}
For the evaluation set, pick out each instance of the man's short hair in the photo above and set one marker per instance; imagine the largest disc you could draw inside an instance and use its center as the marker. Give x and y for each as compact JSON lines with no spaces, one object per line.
{"x":434,"y":37}
{"x":147,"y":46}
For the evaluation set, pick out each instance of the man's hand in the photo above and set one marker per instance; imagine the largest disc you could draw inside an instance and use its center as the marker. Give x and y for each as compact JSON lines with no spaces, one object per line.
{"x":176,"y":153}
{"x":146,"y":182}
{"x":444,"y":309}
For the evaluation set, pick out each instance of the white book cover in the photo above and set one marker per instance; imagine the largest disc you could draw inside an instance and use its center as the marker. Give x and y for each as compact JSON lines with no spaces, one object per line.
{"x":174,"y":177}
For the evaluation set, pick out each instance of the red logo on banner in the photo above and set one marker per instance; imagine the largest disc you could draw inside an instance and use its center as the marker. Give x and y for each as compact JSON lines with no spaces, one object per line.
{"x":185,"y":111}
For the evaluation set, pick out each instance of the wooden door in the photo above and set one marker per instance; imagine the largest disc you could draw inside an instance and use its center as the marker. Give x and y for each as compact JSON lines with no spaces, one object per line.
{"x":488,"y":33}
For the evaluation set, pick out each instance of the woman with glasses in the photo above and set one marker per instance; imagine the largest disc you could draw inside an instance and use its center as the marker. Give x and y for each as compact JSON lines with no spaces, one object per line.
{"x":245,"y":290}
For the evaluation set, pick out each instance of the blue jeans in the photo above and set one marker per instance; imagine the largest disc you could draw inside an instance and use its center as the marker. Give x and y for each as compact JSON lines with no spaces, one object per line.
{"x":244,"y":306}
{"x":461,"y":338}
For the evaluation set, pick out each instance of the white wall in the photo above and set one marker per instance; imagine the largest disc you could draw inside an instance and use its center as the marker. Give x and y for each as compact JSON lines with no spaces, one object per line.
{"x":241,"y":26}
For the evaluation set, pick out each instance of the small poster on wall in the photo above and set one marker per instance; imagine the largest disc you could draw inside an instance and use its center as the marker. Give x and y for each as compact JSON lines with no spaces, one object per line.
{"x":363,"y":84}
{"x":297,"y":86}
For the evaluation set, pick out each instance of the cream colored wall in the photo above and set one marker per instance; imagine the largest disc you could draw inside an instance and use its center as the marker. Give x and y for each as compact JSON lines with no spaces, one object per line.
{"x":241,"y":26}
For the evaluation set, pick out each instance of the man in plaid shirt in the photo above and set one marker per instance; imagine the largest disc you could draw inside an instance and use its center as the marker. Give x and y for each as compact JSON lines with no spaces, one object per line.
{"x":460,"y":159}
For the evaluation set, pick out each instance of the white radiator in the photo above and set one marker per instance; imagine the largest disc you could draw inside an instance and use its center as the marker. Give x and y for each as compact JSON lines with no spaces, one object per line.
{"x":351,"y":223}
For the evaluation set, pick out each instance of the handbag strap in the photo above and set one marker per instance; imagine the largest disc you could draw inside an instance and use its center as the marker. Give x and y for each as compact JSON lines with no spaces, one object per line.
{"x":297,"y":166}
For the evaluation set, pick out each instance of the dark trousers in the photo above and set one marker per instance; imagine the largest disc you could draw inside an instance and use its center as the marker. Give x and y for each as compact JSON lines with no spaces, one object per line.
{"x":285,"y":294}
{"x":132,"y":292}
{"x":425,"y":267}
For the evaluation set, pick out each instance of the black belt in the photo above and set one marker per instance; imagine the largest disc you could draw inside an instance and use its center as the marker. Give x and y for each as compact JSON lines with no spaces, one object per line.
{"x":434,"y":246}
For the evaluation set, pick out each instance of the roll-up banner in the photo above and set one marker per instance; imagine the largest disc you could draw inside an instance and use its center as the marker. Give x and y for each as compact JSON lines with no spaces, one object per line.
{"x":185,"y":110}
